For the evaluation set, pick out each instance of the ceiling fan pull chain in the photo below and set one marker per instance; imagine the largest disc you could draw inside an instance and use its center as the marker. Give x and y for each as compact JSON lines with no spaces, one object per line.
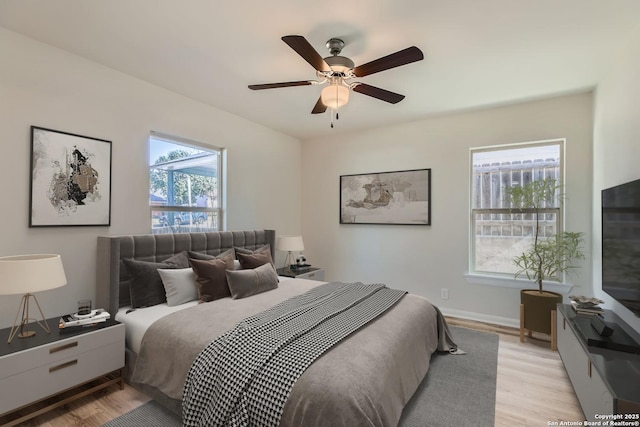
{"x":337,"y":99}
{"x":331,"y":118}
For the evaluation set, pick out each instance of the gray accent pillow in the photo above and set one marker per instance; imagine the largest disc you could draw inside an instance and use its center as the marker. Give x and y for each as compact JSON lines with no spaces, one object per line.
{"x":145,"y":287}
{"x":247,"y":282}
{"x":252,"y":259}
{"x":179,"y":285}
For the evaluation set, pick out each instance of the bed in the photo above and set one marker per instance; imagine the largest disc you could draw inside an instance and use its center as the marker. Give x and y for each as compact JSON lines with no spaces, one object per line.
{"x":365,"y":379}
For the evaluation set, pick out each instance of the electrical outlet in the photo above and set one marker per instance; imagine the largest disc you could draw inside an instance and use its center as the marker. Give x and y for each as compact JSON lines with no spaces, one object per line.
{"x":444,"y":293}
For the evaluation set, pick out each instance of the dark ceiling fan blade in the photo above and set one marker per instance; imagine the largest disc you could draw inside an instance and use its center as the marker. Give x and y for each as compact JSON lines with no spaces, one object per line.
{"x":277,"y":85}
{"x":378,"y":93}
{"x":308,"y":53}
{"x":402,"y":57}
{"x":319,"y":107}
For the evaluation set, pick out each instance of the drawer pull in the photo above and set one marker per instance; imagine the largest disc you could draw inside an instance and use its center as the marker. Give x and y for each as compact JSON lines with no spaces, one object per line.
{"x":63,"y":365}
{"x":63,"y":347}
{"x":312,"y":275}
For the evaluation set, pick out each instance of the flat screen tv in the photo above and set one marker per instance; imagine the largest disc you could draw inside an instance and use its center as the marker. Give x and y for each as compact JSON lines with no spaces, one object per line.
{"x":621,"y":244}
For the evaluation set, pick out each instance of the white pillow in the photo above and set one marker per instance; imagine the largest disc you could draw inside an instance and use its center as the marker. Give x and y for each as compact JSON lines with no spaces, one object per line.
{"x":179,"y":285}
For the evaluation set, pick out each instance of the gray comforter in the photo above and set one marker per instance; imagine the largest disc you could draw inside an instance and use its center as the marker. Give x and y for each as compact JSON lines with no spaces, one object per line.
{"x":364,"y":380}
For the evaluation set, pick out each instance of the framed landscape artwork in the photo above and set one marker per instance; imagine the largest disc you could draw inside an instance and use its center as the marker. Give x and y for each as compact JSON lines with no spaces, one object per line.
{"x":70,"y":179}
{"x":401,"y":197}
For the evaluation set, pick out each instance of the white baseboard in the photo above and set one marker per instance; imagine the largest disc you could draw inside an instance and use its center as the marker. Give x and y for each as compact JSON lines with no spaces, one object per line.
{"x":479,"y":317}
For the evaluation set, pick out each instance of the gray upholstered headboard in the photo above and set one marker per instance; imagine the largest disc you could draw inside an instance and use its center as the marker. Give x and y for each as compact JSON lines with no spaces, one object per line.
{"x":113,"y":277}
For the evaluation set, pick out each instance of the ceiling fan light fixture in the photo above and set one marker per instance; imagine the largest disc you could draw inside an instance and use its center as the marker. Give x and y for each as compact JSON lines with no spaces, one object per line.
{"x":335,"y":95}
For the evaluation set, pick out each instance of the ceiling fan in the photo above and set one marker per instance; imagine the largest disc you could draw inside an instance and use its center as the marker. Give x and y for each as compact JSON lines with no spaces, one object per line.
{"x":339,"y":71}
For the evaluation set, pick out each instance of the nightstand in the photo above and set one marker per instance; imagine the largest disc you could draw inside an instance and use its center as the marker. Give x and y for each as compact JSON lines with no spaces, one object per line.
{"x":46,"y":365}
{"x":311,"y":273}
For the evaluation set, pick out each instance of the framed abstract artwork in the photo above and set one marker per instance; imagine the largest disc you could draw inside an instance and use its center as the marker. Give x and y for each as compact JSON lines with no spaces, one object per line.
{"x":70,"y":180}
{"x":401,"y":197}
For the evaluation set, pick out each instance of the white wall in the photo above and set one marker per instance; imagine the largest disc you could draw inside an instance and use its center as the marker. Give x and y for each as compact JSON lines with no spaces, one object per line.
{"x":616,"y":147}
{"x":44,"y":86}
{"x":424,"y":259}
{"x":47,"y":87}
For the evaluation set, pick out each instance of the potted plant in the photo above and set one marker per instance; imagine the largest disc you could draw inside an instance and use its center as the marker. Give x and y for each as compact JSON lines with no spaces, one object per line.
{"x":548,"y":258}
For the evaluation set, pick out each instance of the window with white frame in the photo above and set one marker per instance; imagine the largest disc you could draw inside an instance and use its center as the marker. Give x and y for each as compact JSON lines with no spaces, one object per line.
{"x":184,"y":185}
{"x":498,"y":233}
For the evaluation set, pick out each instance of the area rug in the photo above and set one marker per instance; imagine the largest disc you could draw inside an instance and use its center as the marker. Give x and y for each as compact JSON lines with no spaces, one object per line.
{"x":458,"y":390}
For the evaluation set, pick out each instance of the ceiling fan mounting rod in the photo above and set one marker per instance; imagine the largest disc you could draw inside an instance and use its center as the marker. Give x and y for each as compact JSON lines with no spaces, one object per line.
{"x":335,"y":46}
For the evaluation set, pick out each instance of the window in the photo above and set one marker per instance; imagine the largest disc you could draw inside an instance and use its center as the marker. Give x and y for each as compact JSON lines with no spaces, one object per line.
{"x":184,"y":185}
{"x":497,"y":234}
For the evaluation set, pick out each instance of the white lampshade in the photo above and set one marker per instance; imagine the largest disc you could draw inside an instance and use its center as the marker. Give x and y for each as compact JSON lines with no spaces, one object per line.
{"x":22,"y":274}
{"x":290,"y":243}
{"x":335,"y":96}
{"x":26,"y":274}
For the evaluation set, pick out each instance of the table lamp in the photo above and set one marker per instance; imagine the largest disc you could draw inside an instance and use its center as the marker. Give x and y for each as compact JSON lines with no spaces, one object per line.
{"x":289,"y":244}
{"x":25,"y":274}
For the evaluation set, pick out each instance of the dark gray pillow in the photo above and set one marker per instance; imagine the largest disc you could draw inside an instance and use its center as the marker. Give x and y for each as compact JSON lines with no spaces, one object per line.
{"x":179,"y":260}
{"x":202,"y":255}
{"x":145,"y":287}
{"x":244,"y":283}
{"x":252,"y":259}
{"x":239,"y":250}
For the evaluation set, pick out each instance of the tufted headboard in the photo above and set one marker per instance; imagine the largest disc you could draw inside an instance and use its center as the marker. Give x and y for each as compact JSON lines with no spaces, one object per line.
{"x":113,"y":278}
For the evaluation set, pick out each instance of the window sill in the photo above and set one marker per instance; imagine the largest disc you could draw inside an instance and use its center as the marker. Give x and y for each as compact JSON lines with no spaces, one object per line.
{"x":510,"y":282}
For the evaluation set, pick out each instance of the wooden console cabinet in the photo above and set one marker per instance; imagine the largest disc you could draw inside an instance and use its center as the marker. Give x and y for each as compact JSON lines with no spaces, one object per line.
{"x":607,"y":382}
{"x":40,"y":367}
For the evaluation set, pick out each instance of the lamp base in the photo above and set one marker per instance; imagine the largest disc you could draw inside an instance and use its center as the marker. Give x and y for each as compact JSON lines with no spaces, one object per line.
{"x":26,"y":334}
{"x":23,"y":326}
{"x":289,"y":262}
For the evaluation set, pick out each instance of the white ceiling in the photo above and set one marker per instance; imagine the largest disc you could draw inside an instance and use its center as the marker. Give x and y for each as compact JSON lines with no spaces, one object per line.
{"x":477,"y":52}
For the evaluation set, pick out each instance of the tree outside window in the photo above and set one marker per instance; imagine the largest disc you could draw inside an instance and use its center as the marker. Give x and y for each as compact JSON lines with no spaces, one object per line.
{"x":184,"y":186}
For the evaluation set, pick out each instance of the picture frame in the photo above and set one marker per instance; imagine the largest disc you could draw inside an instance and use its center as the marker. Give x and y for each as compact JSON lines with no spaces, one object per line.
{"x":396,"y":198}
{"x":70,"y":179}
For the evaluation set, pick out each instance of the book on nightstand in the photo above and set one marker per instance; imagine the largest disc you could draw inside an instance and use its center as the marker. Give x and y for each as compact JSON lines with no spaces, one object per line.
{"x":75,"y":321}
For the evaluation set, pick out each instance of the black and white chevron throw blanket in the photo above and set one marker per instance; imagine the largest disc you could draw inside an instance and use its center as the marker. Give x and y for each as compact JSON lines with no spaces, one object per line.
{"x":244,"y":377}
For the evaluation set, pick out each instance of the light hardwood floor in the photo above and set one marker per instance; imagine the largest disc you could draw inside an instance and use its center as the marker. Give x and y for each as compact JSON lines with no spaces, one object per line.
{"x":532,"y":388}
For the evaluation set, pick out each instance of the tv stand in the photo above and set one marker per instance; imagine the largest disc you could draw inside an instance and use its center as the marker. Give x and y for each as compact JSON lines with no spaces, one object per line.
{"x":606,"y":381}
{"x":619,"y":340}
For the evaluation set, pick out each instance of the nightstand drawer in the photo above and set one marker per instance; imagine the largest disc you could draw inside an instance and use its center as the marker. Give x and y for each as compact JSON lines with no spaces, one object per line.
{"x":312,"y":275}
{"x":42,"y":381}
{"x":64,"y":349}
